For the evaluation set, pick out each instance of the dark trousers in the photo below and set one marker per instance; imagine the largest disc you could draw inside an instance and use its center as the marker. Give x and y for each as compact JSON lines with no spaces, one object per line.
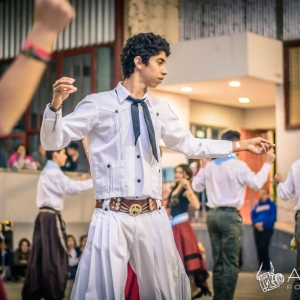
{"x":262,"y":242}
{"x":18,"y":271}
{"x":225,"y":232}
{"x":47,"y":272}
{"x":295,"y":291}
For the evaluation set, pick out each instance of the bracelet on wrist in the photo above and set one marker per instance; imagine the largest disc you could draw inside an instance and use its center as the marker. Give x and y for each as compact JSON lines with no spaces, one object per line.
{"x":52,"y":109}
{"x":238,"y":146}
{"x":36,"y":52}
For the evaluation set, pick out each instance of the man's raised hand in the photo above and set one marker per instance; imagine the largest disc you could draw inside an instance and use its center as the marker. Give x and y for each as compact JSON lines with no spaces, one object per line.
{"x":61,"y":90}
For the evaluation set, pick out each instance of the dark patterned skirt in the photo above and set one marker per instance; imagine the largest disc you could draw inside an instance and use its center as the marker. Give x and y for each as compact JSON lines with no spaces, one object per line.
{"x":47,"y":272}
{"x":190,"y":254}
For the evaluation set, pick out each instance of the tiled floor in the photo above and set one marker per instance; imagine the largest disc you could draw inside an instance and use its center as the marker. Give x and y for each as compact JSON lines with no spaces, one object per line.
{"x":248,"y":288}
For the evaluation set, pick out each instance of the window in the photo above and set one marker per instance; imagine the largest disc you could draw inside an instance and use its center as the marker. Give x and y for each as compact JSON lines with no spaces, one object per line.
{"x":93,"y":71}
{"x":206,"y":132}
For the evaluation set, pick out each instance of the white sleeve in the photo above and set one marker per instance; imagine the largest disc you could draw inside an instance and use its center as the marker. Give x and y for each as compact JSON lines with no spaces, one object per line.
{"x":66,"y":186}
{"x":181,"y":140}
{"x":286,"y":190}
{"x":254,"y":180}
{"x":198,"y":183}
{"x":58,"y":132}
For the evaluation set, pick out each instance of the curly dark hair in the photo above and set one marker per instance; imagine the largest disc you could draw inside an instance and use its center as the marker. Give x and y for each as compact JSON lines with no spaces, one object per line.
{"x":144,"y":45}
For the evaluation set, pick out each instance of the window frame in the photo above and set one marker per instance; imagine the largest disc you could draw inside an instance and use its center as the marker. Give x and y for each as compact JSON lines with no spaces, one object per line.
{"x":286,"y":47}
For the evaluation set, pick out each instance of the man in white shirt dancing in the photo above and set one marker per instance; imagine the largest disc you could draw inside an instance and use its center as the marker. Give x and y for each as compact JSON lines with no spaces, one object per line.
{"x":124,"y":127}
{"x":47,"y":272}
{"x":286,"y":190}
{"x":225,"y":181}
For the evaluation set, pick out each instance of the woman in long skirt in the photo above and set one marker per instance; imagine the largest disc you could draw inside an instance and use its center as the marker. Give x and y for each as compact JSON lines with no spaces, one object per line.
{"x":181,"y":196}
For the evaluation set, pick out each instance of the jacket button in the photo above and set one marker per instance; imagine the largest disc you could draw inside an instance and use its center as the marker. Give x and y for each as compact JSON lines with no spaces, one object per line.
{"x":139,"y":180}
{"x":159,"y":170}
{"x":157,"y":114}
{"x":108,"y":166}
{"x":116,"y":111}
{"x":138,"y":156}
{"x":106,"y":209}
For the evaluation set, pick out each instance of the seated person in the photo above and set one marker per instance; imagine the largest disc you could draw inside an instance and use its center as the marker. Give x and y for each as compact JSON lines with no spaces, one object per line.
{"x":72,"y":160}
{"x":8,"y":259}
{"x":73,"y":256}
{"x":20,"y":160}
{"x":20,"y":260}
{"x":39,"y":157}
{"x":82,"y":243}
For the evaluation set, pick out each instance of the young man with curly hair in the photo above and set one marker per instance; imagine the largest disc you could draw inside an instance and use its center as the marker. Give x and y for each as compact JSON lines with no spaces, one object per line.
{"x":124,"y":127}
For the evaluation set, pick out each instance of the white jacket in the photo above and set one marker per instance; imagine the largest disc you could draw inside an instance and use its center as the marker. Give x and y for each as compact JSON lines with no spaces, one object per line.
{"x":119,"y":167}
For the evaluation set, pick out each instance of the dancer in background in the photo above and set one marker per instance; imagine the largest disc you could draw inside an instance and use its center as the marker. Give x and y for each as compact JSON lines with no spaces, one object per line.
{"x":48,"y":264}
{"x":182,"y":195}
{"x":288,"y":189}
{"x":225,"y":180}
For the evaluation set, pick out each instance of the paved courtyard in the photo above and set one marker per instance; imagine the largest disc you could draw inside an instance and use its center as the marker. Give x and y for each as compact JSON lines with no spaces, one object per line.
{"x":248,"y":288}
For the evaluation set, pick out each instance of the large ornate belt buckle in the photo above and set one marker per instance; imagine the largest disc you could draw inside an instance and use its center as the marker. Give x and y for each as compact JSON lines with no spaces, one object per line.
{"x":135,"y":210}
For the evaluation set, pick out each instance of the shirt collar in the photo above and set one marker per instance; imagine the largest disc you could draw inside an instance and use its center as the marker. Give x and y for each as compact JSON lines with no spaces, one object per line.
{"x":123,"y":93}
{"x":50,"y":165}
{"x":220,"y":160}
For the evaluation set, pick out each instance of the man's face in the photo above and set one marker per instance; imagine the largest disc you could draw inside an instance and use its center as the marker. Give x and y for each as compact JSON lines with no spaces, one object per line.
{"x":154,"y":73}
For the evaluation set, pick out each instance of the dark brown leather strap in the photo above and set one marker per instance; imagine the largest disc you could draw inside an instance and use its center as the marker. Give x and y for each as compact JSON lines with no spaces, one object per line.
{"x":133,"y":207}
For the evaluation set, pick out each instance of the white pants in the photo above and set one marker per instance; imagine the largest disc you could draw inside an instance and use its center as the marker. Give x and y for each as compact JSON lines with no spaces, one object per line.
{"x":147,"y":242}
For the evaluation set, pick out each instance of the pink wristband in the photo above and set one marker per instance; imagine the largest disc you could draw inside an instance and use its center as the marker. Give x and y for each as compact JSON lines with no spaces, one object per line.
{"x":31,"y":50}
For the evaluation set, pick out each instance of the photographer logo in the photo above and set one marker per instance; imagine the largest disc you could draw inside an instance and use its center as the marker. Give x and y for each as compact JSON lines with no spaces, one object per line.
{"x":269,"y":280}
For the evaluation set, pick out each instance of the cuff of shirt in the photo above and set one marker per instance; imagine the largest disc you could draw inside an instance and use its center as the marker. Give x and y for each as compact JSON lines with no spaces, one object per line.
{"x":266,"y":167}
{"x":52,"y":120}
{"x":221,"y":148}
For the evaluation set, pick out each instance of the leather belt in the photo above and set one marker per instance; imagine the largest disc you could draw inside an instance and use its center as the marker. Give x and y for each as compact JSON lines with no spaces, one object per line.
{"x":224,"y":208}
{"x":133,"y":207}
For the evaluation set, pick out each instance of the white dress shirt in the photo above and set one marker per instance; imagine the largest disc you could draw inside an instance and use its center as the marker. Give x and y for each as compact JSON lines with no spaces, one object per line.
{"x":291,"y":187}
{"x":120,"y":168}
{"x":53,"y":184}
{"x":226,"y":179}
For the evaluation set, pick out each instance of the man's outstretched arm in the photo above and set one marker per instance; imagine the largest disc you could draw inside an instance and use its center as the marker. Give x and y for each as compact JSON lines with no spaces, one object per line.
{"x":20,"y":81}
{"x":181,"y":140}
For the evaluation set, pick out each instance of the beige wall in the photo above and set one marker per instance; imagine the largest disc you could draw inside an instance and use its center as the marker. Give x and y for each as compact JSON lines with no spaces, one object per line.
{"x":226,"y":117}
{"x":159,"y":17}
{"x":230,"y":56}
{"x":259,"y":118}
{"x":18,"y":204}
{"x":287,"y":150}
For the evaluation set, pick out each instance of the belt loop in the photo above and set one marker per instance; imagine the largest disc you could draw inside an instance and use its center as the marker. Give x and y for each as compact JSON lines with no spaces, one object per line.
{"x":159,"y":206}
{"x":105,"y":206}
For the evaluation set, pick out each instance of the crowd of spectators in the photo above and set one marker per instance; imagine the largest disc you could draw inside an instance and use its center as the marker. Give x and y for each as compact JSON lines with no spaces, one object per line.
{"x":21,"y":160}
{"x":16,"y":261}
